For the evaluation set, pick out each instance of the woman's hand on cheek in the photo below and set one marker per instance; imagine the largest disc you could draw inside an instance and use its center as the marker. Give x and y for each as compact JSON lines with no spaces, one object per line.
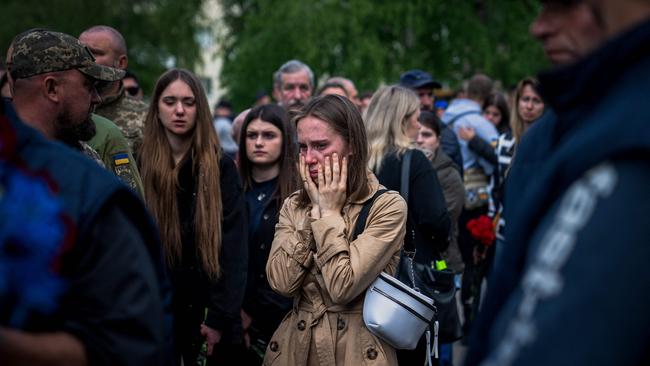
{"x":332,"y":185}
{"x":309,"y":186}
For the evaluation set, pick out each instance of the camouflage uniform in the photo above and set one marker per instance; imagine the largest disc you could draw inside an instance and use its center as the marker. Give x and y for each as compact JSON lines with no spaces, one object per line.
{"x":41,"y":51}
{"x":128,"y":114}
{"x":115,"y":153}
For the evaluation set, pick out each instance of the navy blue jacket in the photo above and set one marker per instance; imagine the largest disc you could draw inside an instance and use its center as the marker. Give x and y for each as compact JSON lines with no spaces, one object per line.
{"x":451,"y":147}
{"x":572,"y":285}
{"x":117,"y":291}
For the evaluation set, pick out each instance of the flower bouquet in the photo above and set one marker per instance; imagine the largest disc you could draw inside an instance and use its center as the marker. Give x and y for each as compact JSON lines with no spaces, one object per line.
{"x":482,"y":231}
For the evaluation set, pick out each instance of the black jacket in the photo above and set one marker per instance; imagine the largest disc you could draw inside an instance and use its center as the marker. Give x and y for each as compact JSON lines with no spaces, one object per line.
{"x":571,"y":283}
{"x":193,"y":290}
{"x":427,"y":209}
{"x":484,"y":149}
{"x":451,"y":147}
{"x":265,"y":306}
{"x":115,"y":285}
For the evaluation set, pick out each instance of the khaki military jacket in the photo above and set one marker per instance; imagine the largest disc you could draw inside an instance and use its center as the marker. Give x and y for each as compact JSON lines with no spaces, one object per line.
{"x":115,"y":153}
{"x":327,"y":274}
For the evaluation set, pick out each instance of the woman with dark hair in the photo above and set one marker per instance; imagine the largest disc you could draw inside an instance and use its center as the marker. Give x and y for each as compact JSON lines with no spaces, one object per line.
{"x":497,"y":111}
{"x":267,"y":167}
{"x":194,"y":193}
{"x":314,"y":258}
{"x":428,"y":140}
{"x":392,"y":126}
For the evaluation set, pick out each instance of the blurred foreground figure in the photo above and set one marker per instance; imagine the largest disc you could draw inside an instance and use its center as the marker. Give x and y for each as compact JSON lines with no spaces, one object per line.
{"x":73,"y":289}
{"x":558,"y":300}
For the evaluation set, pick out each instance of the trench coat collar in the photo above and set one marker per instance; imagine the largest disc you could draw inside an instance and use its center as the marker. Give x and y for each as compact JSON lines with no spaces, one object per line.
{"x":373,"y":185}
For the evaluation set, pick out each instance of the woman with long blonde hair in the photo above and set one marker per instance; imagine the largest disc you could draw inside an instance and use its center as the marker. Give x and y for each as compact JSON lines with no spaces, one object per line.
{"x":193,"y":191}
{"x":392,"y":126}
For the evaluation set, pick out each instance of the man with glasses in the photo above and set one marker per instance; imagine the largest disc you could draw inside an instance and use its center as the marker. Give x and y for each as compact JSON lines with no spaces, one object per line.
{"x":110,"y":307}
{"x":109,"y":48}
{"x":101,"y":140}
{"x":132,"y":86}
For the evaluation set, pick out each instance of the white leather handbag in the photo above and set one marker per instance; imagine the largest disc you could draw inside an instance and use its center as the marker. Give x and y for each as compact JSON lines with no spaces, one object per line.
{"x":396,"y":313}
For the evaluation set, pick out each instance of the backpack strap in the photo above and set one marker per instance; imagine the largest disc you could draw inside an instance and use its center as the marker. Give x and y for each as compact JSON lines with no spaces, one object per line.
{"x":459,"y":116}
{"x":363,"y":215}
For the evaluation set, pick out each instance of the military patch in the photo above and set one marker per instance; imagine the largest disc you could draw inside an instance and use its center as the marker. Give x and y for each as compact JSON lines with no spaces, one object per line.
{"x":121,"y":159}
{"x":125,"y":173}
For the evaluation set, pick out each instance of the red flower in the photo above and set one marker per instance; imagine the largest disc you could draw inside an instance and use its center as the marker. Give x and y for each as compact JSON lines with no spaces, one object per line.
{"x":482,"y":230}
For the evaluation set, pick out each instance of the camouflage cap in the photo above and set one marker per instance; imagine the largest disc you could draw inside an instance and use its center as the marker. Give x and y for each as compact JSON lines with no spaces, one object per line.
{"x":41,"y":51}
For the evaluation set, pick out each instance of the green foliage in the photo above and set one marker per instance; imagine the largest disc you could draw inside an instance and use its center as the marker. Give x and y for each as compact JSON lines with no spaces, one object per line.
{"x":369,"y":41}
{"x":156,"y":31}
{"x":373,"y":41}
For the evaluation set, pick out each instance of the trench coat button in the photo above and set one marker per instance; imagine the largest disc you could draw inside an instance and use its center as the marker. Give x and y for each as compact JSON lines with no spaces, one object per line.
{"x":340,"y":324}
{"x":273,"y":346}
{"x":301,"y":325}
{"x":266,"y":216}
{"x":371,"y":353}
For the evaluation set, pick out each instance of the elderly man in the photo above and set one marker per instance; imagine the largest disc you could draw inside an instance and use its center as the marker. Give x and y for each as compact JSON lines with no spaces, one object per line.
{"x":110,"y":309}
{"x":572,"y":285}
{"x":109,"y":48}
{"x":349,"y":87}
{"x":293,"y":85}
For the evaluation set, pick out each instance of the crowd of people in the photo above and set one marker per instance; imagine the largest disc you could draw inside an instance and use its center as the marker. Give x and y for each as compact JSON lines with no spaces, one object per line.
{"x":165,"y":233}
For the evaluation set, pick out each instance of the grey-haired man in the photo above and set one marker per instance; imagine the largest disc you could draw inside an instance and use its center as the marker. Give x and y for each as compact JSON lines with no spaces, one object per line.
{"x":293,"y":85}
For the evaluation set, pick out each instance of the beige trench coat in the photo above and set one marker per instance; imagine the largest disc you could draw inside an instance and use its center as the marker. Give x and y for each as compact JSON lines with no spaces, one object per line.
{"x":314,"y":262}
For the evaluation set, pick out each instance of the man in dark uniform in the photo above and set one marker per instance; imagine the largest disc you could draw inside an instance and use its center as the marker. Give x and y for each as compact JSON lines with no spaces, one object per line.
{"x":571,"y":286}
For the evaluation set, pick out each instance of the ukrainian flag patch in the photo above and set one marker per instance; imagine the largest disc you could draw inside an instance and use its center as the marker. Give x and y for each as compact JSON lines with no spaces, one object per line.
{"x":121,"y":159}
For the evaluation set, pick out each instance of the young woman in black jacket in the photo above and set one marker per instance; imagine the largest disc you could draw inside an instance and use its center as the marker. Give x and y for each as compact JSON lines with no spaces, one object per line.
{"x":194,"y":193}
{"x":267,"y":167}
{"x":392,"y":125}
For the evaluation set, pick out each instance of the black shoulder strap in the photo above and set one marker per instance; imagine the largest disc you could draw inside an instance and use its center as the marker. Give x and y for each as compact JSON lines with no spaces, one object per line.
{"x":406,"y":171}
{"x":363,"y":215}
{"x":409,"y":239}
{"x":453,"y":120}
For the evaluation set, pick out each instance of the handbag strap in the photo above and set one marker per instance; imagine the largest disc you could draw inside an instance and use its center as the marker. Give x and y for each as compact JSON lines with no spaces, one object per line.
{"x":409,"y":239}
{"x":406,"y":172}
{"x":363,"y":215}
{"x":409,"y":249}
